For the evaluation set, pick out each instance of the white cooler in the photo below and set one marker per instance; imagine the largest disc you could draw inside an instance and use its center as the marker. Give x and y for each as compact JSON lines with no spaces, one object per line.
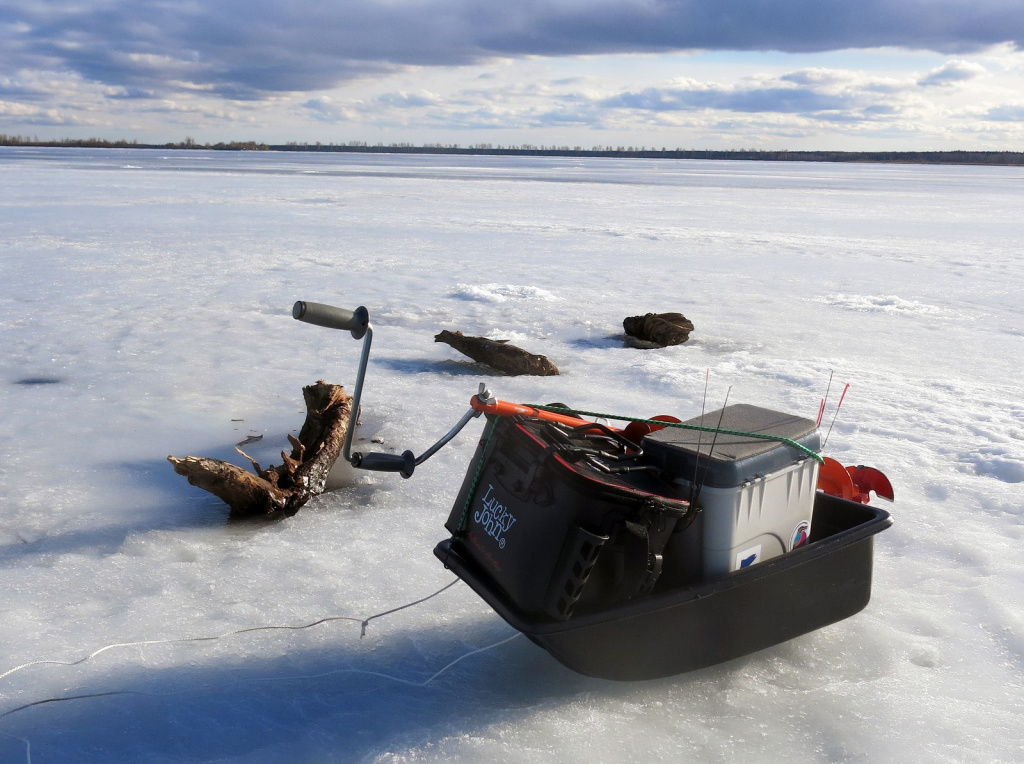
{"x":757,"y":495}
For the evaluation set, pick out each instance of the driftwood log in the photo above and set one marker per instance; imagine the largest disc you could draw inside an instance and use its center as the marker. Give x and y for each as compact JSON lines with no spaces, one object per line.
{"x":280,"y":491}
{"x":657,"y":330}
{"x":499,"y":355}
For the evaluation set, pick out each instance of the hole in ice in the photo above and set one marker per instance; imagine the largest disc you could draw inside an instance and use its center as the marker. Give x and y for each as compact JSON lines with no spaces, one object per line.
{"x":405,"y":366}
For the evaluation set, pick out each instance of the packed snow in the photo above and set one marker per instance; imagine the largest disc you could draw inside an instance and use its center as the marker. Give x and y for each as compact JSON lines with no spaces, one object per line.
{"x":145,"y":302}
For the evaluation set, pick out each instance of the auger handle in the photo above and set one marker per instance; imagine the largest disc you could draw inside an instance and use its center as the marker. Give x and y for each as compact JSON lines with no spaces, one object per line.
{"x":355,"y":321}
{"x":404,"y":463}
{"x":358,"y":322}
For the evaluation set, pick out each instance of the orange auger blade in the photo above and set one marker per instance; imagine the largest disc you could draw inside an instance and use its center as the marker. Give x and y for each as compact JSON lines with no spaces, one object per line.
{"x":853,"y":483}
{"x":634,"y":431}
{"x":834,"y":480}
{"x":867,"y":479}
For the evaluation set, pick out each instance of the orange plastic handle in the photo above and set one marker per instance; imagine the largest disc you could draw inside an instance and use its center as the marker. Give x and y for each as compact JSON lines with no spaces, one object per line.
{"x":504,"y":408}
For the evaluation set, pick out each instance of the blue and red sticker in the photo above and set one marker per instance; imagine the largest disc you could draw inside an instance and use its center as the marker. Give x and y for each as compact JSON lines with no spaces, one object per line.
{"x":800,"y":534}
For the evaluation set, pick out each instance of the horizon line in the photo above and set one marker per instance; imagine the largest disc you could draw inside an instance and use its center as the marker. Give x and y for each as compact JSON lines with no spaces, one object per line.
{"x":946,"y":156}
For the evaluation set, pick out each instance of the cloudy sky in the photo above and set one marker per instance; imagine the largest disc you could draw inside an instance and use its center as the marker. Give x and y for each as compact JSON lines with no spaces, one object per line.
{"x":771,"y":74}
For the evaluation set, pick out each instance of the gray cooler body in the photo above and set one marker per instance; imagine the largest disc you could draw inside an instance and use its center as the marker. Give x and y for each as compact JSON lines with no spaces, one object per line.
{"x":757,"y":495}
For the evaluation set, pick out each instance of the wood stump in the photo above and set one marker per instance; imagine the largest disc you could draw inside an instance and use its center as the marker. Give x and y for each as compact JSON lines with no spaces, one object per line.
{"x":280,"y":491}
{"x":499,"y":355}
{"x":657,"y":330}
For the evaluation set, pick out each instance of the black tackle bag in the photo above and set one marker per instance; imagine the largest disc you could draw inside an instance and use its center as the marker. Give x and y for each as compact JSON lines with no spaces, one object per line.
{"x":563,"y":518}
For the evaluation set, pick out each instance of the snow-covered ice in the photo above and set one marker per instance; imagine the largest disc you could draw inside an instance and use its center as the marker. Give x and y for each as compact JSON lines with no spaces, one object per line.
{"x":145,"y":302}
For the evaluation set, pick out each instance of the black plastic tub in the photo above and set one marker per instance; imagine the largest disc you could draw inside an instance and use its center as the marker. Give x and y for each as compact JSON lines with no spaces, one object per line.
{"x":692,"y":627}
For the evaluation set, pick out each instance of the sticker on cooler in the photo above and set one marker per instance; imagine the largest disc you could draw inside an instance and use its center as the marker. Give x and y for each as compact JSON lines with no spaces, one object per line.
{"x":748,"y":557}
{"x":800,"y":535}
{"x":494,"y":518}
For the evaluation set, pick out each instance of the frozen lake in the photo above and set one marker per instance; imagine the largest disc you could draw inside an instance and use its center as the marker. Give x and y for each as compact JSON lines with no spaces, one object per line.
{"x":145,"y":302}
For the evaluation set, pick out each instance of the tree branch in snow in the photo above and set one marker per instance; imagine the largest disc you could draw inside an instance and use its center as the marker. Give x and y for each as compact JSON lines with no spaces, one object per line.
{"x":280,"y":491}
{"x":499,"y":355}
{"x":657,"y":330}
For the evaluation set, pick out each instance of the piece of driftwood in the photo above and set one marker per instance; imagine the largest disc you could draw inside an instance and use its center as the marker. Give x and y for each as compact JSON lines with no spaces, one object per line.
{"x":499,"y":355}
{"x":657,"y":330}
{"x":280,"y":491}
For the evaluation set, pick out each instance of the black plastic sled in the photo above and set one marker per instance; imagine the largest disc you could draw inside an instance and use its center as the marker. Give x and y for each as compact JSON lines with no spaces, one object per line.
{"x":692,"y":627}
{"x":654,"y":549}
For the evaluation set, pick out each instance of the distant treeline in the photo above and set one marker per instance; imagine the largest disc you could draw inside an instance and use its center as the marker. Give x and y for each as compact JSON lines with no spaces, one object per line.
{"x":642,"y":152}
{"x":904,"y":157}
{"x":99,"y":143}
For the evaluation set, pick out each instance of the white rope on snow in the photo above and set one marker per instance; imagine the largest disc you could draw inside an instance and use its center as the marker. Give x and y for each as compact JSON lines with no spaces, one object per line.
{"x":26,"y":741}
{"x":300,"y":677}
{"x":364,"y":622}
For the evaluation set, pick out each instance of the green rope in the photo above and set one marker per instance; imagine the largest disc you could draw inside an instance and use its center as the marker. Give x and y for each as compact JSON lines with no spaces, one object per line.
{"x":681,"y":426}
{"x":476,"y":477}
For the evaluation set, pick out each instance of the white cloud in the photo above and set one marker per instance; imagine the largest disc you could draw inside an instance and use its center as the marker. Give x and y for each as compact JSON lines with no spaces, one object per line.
{"x":243,"y":50}
{"x":404,"y":100}
{"x":832,"y":106}
{"x":953,"y":72}
{"x":324,"y":109}
{"x":822,"y":77}
{"x":288,"y":73}
{"x":1010,"y":112}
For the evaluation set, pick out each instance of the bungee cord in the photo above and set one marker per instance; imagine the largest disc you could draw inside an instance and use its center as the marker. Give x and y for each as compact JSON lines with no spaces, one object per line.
{"x":681,"y":426}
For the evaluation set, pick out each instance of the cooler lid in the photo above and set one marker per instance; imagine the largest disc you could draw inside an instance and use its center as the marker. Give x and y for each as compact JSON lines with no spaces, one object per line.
{"x":735,"y":457}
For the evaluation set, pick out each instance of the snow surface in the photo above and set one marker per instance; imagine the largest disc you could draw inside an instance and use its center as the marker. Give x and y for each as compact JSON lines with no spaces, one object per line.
{"x":145,"y":304}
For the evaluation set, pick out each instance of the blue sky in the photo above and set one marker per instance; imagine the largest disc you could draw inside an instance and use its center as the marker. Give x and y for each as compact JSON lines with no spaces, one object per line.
{"x":771,"y":74}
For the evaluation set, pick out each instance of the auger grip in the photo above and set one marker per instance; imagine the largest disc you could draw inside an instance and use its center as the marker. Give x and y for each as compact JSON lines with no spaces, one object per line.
{"x":355,"y":321}
{"x":404,"y":463}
